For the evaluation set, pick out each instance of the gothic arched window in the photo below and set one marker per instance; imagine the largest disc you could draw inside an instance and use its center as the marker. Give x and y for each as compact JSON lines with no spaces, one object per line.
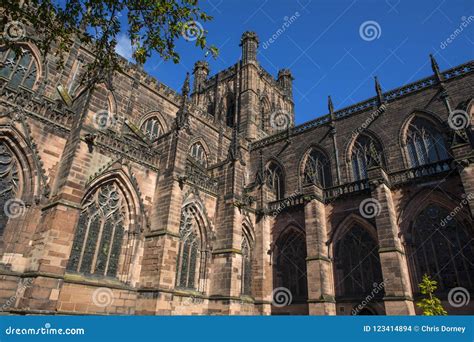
{"x":425,"y":144}
{"x":230,"y":110}
{"x":264,"y":110}
{"x":18,"y":68}
{"x":275,"y":180}
{"x":290,"y":264}
{"x":152,"y":128}
{"x":210,"y":105}
{"x":189,"y":252}
{"x":198,"y":154}
{"x":317,"y":169}
{"x":99,"y":233}
{"x":366,"y":152}
{"x":246,"y":267}
{"x":442,"y":248}
{"x":9,"y":182}
{"x":357,"y":263}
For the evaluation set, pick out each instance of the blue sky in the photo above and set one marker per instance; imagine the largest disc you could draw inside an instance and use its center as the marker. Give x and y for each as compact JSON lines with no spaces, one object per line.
{"x":324,"y":46}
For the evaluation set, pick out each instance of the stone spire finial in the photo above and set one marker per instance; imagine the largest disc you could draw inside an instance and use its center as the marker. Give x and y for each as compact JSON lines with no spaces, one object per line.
{"x":435,"y":68}
{"x":186,"y":88}
{"x":330,"y":107}
{"x":378,"y":90}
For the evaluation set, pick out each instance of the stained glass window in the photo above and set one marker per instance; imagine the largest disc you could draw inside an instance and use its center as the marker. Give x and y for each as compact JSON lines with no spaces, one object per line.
{"x":18,"y":68}
{"x":275,"y":180}
{"x":152,"y":128}
{"x":443,"y":249}
{"x":317,"y":169}
{"x":198,"y":154}
{"x":365,"y":152}
{"x":189,"y":253}
{"x":424,"y":143}
{"x":99,"y":234}
{"x":246,"y":267}
{"x":8,"y":181}
{"x":290,"y":264}
{"x":357,"y":264}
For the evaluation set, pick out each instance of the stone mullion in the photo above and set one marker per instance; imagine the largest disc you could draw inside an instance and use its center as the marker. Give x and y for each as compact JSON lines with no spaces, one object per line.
{"x":398,"y":294}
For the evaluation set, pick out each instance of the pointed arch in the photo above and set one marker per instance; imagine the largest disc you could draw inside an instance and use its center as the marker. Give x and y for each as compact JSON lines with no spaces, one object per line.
{"x":230,"y":109}
{"x":315,"y":167}
{"x":23,"y":69}
{"x":364,"y":151}
{"x":289,"y":263}
{"x":199,"y":151}
{"x":194,"y":246}
{"x":275,"y":178}
{"x":264,"y":111}
{"x":439,"y":241}
{"x":246,"y":247}
{"x":153,"y":124}
{"x":107,"y":232}
{"x":423,"y":140}
{"x":357,"y":268}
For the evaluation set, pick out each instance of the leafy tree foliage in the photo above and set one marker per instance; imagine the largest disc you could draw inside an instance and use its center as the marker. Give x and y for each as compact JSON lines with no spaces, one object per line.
{"x":431,"y":305}
{"x":151,"y":25}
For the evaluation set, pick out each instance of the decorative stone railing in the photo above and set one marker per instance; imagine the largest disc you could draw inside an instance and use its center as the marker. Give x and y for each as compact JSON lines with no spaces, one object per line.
{"x":406,"y":176}
{"x":41,"y":108}
{"x":396,"y":179}
{"x":389,"y":96}
{"x":199,"y":178}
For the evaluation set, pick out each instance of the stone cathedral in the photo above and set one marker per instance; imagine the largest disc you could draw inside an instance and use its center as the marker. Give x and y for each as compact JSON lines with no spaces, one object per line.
{"x":131,"y":198}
